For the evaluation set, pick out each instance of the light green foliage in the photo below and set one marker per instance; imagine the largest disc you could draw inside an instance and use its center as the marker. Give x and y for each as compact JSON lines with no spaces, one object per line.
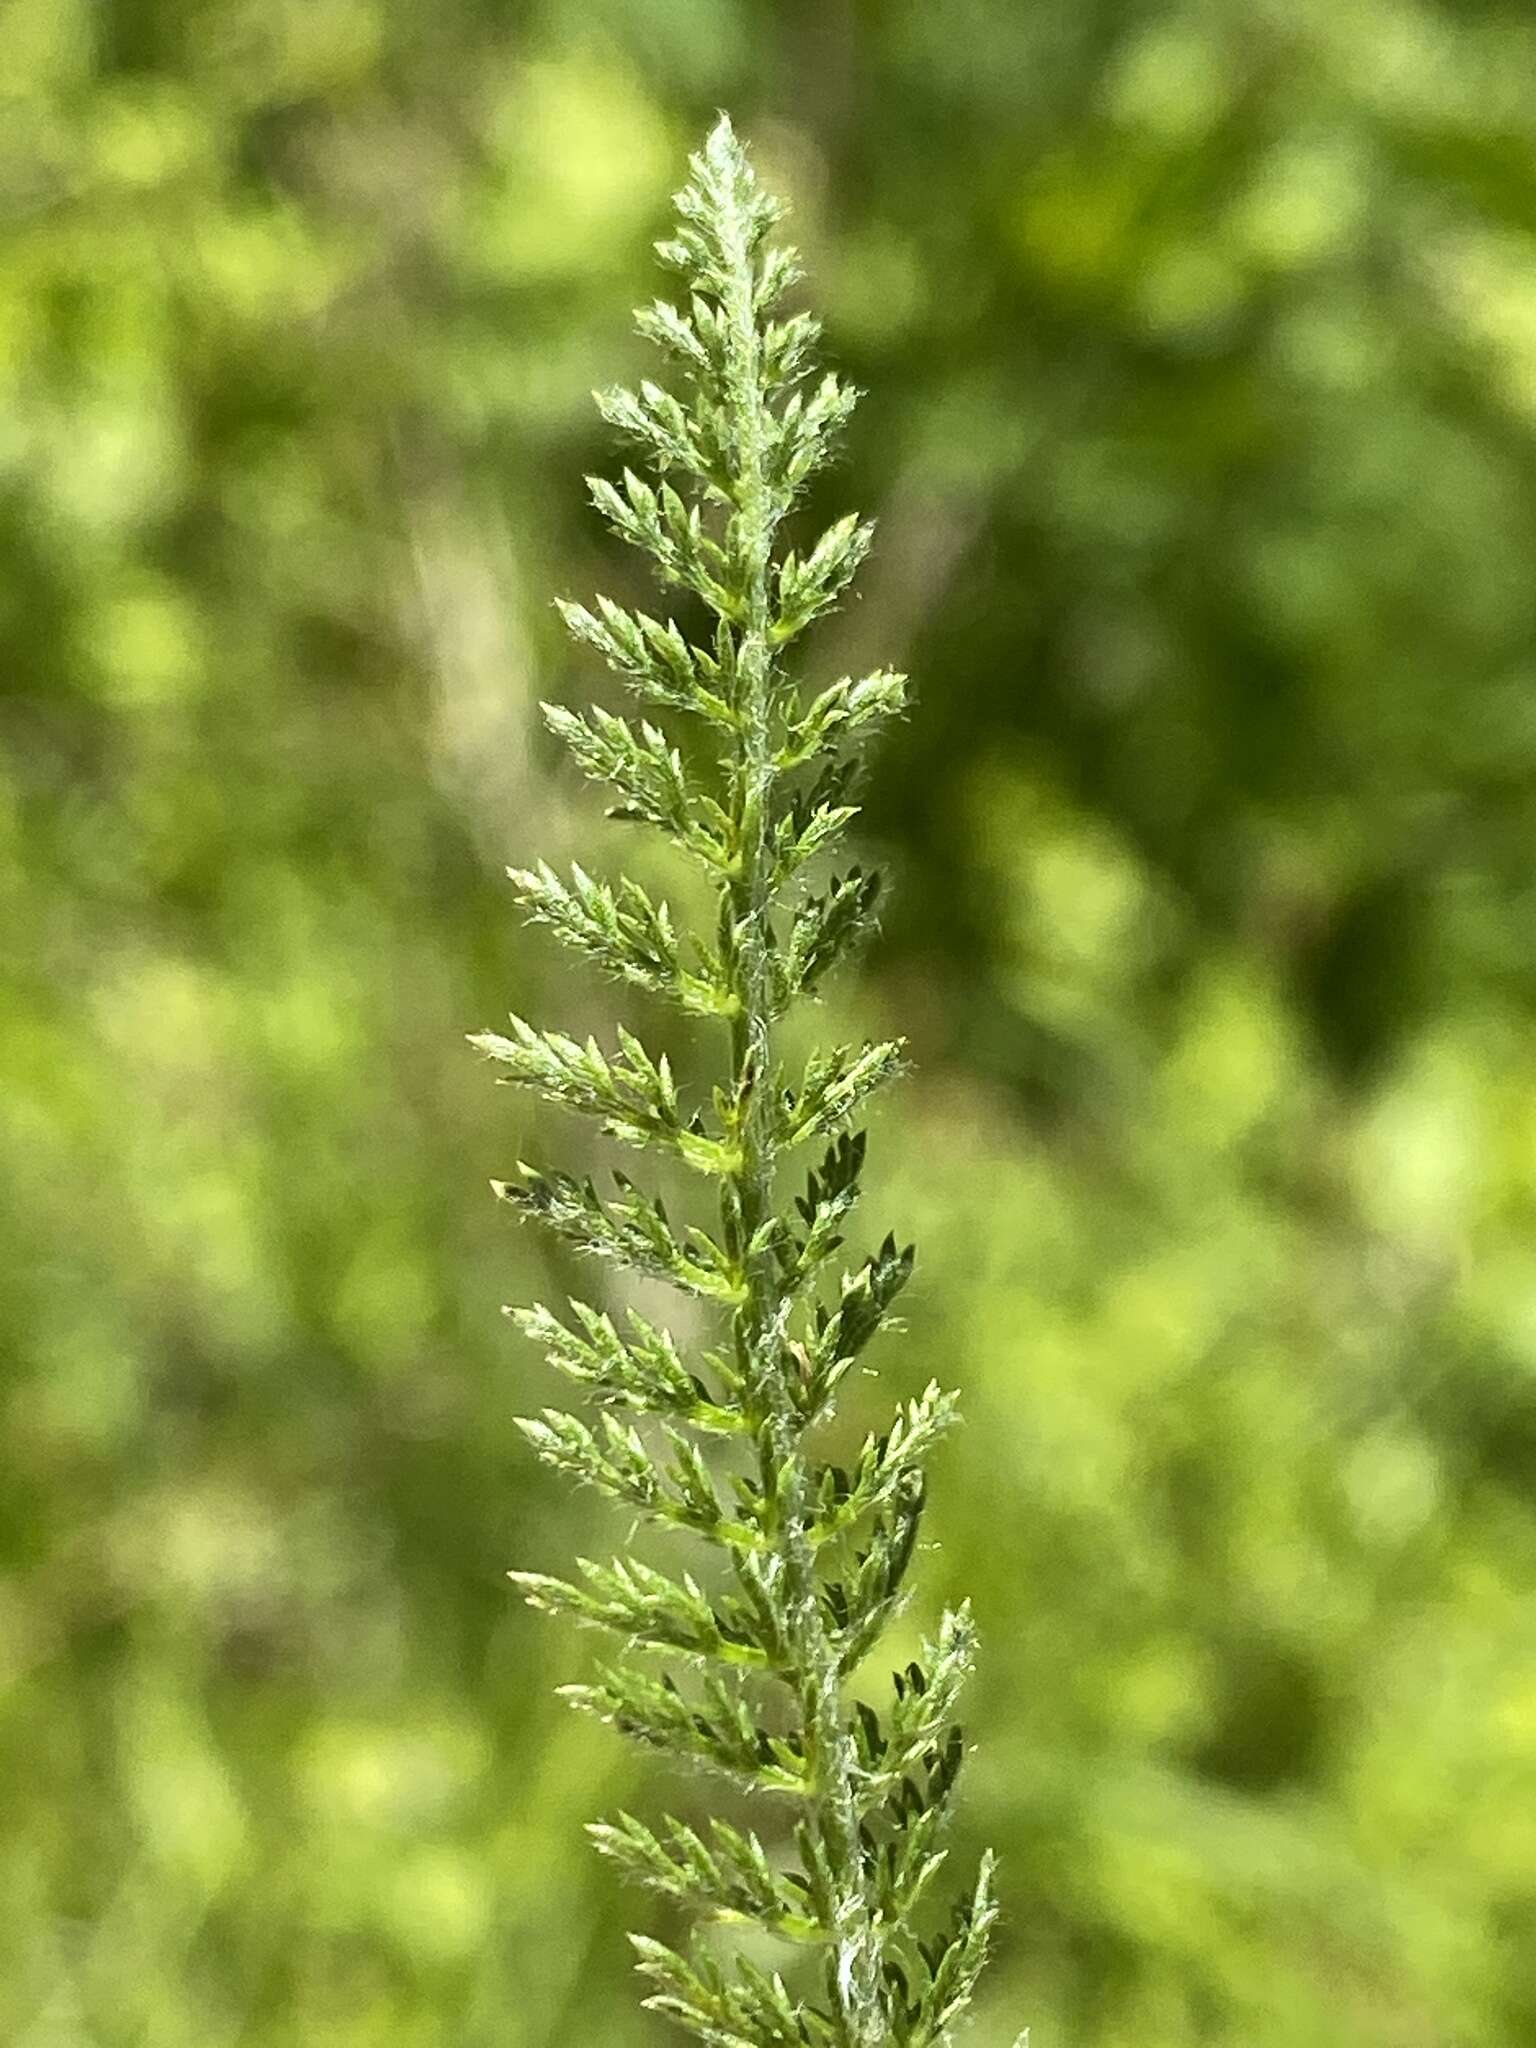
{"x":1199,"y":344}
{"x":814,"y":1555}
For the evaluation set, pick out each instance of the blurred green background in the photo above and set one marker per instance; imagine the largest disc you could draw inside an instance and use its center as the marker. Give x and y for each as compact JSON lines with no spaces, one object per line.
{"x":1200,"y":341}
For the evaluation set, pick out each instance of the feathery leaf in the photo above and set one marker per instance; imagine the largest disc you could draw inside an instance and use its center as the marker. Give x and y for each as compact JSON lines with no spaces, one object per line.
{"x":747,"y":1677}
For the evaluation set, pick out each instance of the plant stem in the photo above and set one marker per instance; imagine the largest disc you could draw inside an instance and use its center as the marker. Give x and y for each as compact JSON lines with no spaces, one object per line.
{"x":759,"y":1325}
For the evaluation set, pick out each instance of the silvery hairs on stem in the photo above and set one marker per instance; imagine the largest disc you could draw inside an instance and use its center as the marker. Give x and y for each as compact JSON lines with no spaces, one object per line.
{"x":750,"y":1680}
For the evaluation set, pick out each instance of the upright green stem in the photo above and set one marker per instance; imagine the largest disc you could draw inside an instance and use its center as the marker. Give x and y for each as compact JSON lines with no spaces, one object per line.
{"x":759,"y":1325}
{"x":749,"y":431}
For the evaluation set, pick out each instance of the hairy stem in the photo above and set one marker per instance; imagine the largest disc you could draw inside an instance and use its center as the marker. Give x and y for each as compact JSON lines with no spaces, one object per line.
{"x":759,"y":1324}
{"x":807,"y":1600}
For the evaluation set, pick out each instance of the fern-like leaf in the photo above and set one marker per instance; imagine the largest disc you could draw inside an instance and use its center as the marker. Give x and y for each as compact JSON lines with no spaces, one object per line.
{"x":746,"y":1673}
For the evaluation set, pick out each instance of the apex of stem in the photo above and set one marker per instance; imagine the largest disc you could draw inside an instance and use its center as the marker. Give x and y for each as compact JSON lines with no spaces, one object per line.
{"x":816,"y":1554}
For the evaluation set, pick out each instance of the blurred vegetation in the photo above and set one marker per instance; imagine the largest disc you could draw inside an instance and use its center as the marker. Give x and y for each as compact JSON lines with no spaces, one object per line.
{"x":1201,"y":349}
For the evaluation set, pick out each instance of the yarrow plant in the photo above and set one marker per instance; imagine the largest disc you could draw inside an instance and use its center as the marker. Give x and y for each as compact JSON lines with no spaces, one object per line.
{"x":753,"y":1678}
